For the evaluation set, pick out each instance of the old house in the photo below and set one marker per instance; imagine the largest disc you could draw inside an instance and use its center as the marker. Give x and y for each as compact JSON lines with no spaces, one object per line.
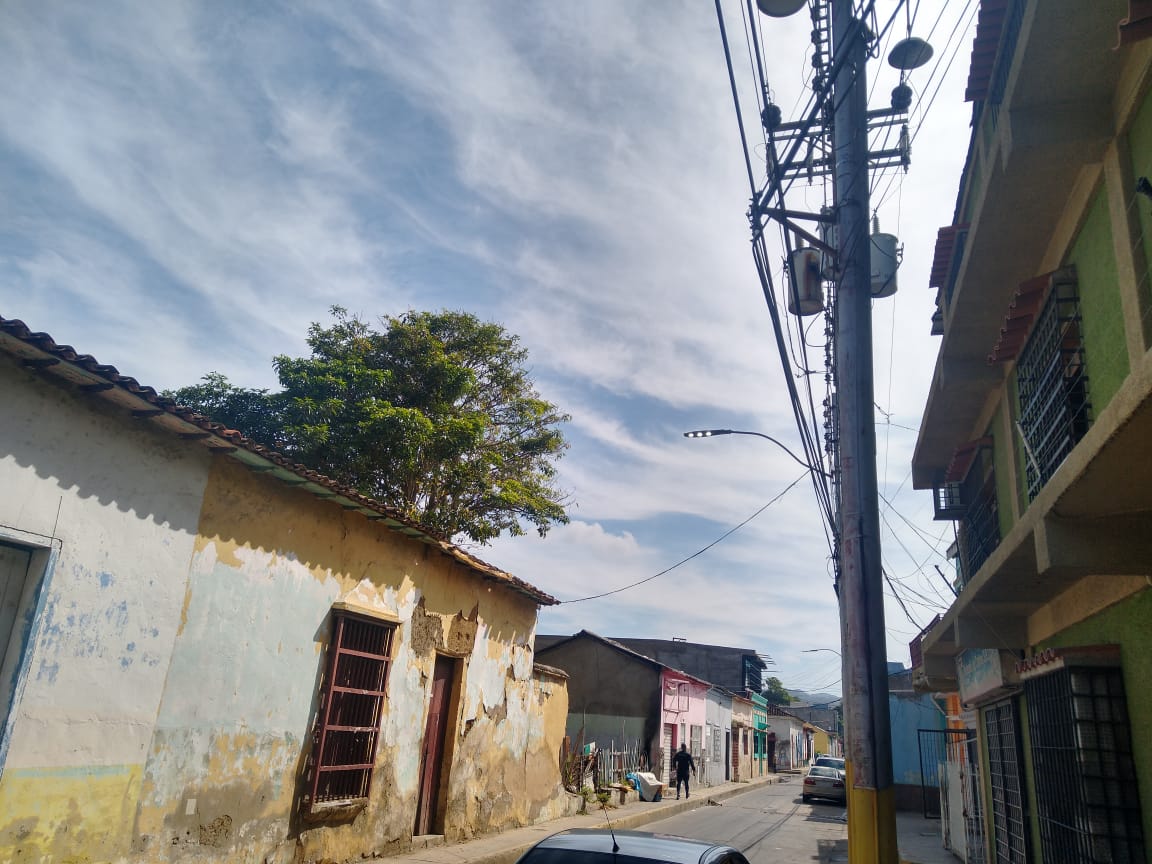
{"x":793,"y":749}
{"x":716,"y":764}
{"x":623,"y":700}
{"x":743,"y":730}
{"x":1036,"y":438}
{"x":737,"y":670}
{"x":212,"y":654}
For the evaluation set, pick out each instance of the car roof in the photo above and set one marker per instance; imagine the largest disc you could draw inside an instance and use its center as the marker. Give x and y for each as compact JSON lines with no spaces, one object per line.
{"x":637,"y":844}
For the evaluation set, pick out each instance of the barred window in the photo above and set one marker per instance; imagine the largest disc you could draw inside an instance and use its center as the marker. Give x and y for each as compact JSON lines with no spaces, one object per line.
{"x":1087,"y":800}
{"x":347,"y":726}
{"x":1052,"y":386}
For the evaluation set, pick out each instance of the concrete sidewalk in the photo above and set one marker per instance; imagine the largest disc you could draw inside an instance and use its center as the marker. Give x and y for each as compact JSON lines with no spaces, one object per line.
{"x":920,"y":841}
{"x":919,"y":838}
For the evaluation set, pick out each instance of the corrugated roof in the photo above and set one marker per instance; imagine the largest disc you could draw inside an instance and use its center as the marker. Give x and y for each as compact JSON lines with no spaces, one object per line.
{"x":1029,"y":296}
{"x":963,"y":458}
{"x":40,"y":351}
{"x":623,"y":649}
{"x":989,"y":25}
{"x":946,"y":239}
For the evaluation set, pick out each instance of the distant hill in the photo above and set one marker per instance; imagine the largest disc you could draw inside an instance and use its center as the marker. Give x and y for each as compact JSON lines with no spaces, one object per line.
{"x":807,"y":698}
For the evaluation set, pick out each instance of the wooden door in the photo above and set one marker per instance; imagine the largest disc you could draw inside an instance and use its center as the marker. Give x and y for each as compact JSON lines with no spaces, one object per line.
{"x":432,"y":750}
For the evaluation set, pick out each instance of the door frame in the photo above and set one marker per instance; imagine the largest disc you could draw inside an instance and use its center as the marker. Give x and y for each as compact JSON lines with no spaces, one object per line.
{"x":44,"y":552}
{"x":432,"y":789}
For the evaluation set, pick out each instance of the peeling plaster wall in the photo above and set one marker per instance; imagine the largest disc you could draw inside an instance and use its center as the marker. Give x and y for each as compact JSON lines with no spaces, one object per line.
{"x":232,"y":733}
{"x":121,"y":501}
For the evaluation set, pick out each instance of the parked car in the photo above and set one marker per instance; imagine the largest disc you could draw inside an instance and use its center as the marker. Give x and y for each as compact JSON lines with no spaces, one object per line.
{"x":824,"y":781}
{"x":600,"y":846}
{"x":836,"y":762}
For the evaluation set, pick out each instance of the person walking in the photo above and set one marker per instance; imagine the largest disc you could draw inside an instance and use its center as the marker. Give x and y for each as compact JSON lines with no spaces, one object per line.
{"x":683,"y":763}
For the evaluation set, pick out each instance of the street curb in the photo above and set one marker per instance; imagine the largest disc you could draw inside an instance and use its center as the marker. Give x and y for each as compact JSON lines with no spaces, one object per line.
{"x":633,"y":820}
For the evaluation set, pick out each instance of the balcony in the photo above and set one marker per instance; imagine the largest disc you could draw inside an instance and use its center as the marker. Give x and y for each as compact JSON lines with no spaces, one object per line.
{"x":1053,"y":385}
{"x":1056,"y":115}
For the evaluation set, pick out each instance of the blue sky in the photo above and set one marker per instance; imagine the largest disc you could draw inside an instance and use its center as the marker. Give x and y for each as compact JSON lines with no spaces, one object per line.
{"x":187,"y":186}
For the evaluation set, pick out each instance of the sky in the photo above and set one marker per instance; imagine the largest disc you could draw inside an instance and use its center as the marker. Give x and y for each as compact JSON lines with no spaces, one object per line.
{"x":185,"y":187}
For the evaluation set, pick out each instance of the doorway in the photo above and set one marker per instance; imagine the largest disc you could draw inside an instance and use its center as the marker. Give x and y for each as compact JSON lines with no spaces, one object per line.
{"x":429,"y":817}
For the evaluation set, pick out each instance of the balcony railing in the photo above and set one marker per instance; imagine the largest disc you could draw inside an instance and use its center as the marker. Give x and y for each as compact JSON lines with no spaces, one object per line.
{"x":1053,"y":386}
{"x":978,"y":534}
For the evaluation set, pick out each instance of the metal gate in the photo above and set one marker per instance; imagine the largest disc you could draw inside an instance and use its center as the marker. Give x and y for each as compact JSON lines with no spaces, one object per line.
{"x":938,"y":747}
{"x":1005,"y":776}
{"x":1087,"y":804}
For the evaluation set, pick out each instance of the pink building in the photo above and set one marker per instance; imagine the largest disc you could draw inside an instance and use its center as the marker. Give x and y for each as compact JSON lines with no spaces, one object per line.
{"x":682,"y":700}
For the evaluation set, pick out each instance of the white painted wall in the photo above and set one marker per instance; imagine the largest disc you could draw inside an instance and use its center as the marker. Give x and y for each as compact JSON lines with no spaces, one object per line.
{"x":123,"y":502}
{"x":718,"y":718}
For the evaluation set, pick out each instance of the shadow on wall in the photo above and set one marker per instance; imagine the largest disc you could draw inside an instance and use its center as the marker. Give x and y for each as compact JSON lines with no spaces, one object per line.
{"x":92,"y":450}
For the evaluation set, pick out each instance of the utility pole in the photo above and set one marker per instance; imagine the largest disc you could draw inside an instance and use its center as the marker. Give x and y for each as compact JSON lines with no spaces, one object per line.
{"x":871,"y":801}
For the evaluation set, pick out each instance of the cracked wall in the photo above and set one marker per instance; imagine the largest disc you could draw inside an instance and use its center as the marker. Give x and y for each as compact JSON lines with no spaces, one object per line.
{"x":167,"y":690}
{"x":233,"y":730}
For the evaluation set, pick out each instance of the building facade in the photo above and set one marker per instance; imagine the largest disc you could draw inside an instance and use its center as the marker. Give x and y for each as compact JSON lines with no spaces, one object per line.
{"x":1037,"y":433}
{"x":214,"y":655}
{"x":716,"y":766}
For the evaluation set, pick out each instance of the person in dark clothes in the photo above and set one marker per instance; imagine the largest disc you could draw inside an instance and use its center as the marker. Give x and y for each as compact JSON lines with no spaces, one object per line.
{"x":683,"y":763}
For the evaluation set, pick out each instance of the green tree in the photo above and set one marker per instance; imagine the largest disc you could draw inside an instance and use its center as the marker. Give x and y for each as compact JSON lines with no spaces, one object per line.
{"x":433,"y":414}
{"x":775,"y":693}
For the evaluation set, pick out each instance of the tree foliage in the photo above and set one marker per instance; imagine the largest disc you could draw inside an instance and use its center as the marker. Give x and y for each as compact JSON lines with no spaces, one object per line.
{"x":434,"y":414}
{"x":775,"y":692}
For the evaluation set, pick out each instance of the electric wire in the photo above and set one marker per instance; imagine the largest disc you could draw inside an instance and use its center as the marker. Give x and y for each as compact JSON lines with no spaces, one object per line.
{"x":695,"y":554}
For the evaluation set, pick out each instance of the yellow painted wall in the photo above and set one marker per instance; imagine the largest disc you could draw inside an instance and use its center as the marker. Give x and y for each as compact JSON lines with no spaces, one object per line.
{"x":233,"y":729}
{"x":70,"y":815}
{"x":821,"y":742}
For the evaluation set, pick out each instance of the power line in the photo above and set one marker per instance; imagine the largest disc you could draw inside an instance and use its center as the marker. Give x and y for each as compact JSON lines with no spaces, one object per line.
{"x":695,"y":554}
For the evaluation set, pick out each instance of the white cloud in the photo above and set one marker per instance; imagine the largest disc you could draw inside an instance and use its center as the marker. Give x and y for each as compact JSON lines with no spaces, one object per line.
{"x":193,"y":187}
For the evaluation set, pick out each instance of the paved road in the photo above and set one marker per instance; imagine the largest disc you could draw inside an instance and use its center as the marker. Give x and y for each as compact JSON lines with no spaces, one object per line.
{"x":770,"y":825}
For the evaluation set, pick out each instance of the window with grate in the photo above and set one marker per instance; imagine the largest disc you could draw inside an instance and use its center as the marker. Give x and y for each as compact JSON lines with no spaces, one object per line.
{"x":695,"y":745}
{"x":1052,"y":386}
{"x":1009,"y":835}
{"x":1087,"y":801}
{"x":978,"y":533}
{"x":351,"y":700}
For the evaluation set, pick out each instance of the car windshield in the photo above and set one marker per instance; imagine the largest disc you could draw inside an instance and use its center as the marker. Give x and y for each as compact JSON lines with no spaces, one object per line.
{"x":820,"y":771}
{"x":830,"y":761}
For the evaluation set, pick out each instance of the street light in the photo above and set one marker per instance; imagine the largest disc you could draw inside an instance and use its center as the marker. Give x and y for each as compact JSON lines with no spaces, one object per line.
{"x":814,"y":650}
{"x":708,"y":433}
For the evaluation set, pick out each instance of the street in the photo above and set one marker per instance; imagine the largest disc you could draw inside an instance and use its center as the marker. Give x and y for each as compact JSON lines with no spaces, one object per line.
{"x":769,"y":824}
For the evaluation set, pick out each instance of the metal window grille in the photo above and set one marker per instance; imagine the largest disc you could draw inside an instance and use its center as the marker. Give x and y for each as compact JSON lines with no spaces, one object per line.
{"x":1053,"y":386}
{"x":1087,"y":801}
{"x":351,"y":699}
{"x":695,"y":746}
{"x":979,"y":531}
{"x":1004,"y":771}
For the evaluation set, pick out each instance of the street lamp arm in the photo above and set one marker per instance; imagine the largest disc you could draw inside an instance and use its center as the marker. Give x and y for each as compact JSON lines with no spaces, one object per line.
{"x":708,"y":433}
